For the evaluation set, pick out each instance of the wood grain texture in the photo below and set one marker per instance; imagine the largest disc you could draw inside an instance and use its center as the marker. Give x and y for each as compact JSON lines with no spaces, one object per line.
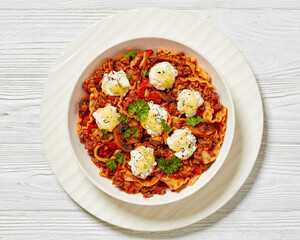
{"x":34,"y":33}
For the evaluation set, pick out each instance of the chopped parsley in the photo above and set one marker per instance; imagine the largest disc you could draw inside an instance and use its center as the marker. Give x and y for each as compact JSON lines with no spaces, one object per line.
{"x":145,"y":72}
{"x":124,"y":119}
{"x":111,"y":164}
{"x":119,"y":157}
{"x":136,"y":133}
{"x":128,"y":76}
{"x":105,"y":133}
{"x":169,"y":166}
{"x":193,"y":121}
{"x":141,"y":108}
{"x":167,"y":128}
{"x":130,"y":54}
{"x":132,"y":131}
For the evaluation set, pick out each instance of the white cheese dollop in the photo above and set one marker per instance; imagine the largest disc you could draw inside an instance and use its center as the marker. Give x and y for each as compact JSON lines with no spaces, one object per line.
{"x":106,"y":118}
{"x":189,"y":101}
{"x":115,"y":83}
{"x":162,"y":75}
{"x":183,"y":143}
{"x":153,"y":124}
{"x":142,"y":161}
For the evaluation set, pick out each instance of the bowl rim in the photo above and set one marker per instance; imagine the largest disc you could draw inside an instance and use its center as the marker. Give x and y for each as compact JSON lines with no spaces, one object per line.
{"x":179,"y":197}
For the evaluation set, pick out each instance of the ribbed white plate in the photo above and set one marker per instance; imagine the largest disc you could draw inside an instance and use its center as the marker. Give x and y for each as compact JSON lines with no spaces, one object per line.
{"x":202,"y":37}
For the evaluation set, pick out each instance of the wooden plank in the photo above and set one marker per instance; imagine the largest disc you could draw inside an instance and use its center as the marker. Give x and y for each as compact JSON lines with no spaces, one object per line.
{"x":75,"y":225}
{"x":267,"y":40}
{"x":33,"y":35}
{"x":131,"y":4}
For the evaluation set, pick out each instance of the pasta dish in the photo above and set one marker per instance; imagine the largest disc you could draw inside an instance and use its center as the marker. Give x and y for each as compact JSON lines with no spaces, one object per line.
{"x":151,"y":121}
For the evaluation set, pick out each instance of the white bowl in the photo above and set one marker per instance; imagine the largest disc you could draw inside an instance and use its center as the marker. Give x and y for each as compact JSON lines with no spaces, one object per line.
{"x":84,"y":160}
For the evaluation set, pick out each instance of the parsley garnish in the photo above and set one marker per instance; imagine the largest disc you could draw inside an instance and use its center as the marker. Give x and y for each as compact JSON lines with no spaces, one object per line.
{"x":134,"y":130}
{"x":141,"y":108}
{"x":145,"y":72}
{"x":124,"y":119}
{"x":119,"y":157}
{"x":111,"y":164}
{"x":167,"y":128}
{"x":105,"y":133}
{"x":169,"y":166}
{"x":130,"y":54}
{"x":193,"y":121}
{"x":128,"y":76}
{"x":137,"y":133}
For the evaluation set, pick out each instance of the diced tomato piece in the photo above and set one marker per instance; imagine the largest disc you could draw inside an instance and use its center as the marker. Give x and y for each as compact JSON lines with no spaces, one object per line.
{"x":149,"y":52}
{"x":143,"y":86}
{"x":112,"y":146}
{"x":105,"y":153}
{"x":198,"y":170}
{"x":154,"y":97}
{"x":85,"y":120}
{"x":140,"y":92}
{"x":91,"y":126}
{"x":140,"y":129}
{"x":131,"y":188}
{"x":96,"y":80}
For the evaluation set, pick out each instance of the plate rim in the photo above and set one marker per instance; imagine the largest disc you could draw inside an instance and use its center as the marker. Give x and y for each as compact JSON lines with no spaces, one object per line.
{"x":233,"y":190}
{"x":229,"y":141}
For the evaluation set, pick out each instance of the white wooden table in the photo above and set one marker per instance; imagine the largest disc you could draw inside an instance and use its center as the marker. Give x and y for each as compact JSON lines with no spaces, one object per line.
{"x":34,"y":33}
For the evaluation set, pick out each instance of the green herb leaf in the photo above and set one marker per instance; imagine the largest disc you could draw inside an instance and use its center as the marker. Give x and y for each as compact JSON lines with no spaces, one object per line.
{"x":169,"y":166}
{"x":133,"y":108}
{"x":128,"y":76}
{"x":134,"y":130}
{"x":167,"y":128}
{"x":141,"y":108}
{"x":130,"y":54}
{"x":119,"y":157}
{"x":193,"y":121}
{"x":111,"y":164}
{"x":142,"y":115}
{"x":162,"y":164}
{"x":124,"y":119}
{"x":128,"y":132}
{"x":176,"y":163}
{"x":105,"y":133}
{"x":136,"y":133}
{"x":145,"y":72}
